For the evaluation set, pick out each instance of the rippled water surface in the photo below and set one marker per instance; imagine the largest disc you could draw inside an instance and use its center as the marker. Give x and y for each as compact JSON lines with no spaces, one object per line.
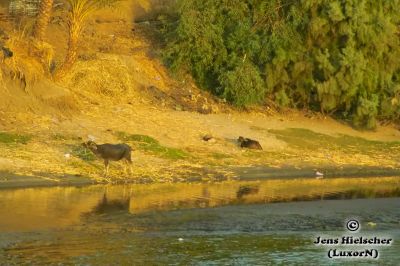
{"x":228,"y":223}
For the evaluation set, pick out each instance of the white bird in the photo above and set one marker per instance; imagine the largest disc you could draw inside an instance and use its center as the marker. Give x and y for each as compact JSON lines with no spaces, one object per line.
{"x":319,"y":175}
{"x":180,"y":239}
{"x":67,"y":156}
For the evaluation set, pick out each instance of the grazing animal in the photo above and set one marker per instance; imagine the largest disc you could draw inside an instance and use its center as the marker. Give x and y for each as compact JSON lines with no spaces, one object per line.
{"x":111,"y":152}
{"x":249,"y":143}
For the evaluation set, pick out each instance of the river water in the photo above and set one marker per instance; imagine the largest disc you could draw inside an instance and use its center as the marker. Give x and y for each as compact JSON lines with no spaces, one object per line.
{"x":258,"y":222}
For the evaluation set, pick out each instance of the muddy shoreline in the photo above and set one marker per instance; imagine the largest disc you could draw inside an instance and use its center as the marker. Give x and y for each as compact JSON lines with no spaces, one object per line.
{"x":10,"y":180}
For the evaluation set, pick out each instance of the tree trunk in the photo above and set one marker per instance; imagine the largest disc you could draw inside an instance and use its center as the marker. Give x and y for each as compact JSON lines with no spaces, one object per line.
{"x":70,"y":58}
{"x":42,"y":20}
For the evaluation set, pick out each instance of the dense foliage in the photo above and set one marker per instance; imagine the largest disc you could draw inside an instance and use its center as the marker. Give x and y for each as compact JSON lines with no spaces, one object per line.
{"x":337,"y":56}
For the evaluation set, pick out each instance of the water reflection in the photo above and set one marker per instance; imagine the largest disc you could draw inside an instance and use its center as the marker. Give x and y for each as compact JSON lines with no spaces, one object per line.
{"x":108,"y":206}
{"x":142,"y":224}
{"x":246,"y":190}
{"x":41,"y":208}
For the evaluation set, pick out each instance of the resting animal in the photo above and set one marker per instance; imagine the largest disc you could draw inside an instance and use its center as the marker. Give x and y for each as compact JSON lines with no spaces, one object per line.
{"x":249,"y":143}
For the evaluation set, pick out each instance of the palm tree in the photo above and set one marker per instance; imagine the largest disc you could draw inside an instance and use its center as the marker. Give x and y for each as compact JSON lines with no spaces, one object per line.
{"x":79,"y":11}
{"x":77,"y":15}
{"x":42,"y":21}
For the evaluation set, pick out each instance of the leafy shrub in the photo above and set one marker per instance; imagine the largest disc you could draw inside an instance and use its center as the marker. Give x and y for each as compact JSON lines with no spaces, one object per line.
{"x":337,"y":56}
{"x":243,"y":85}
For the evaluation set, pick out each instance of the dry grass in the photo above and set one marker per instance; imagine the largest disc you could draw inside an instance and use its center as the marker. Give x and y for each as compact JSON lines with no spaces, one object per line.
{"x":22,"y":64}
{"x":44,"y":52}
{"x":107,"y":78}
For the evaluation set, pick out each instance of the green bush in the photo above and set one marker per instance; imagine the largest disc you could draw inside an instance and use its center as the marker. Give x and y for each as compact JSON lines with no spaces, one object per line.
{"x":340,"y":57}
{"x":243,"y":85}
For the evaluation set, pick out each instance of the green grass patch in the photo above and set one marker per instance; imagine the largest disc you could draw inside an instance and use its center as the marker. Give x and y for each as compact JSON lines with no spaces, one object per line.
{"x":12,"y":138}
{"x":138,"y":138}
{"x":300,"y":138}
{"x":82,"y":153}
{"x":151,"y":145}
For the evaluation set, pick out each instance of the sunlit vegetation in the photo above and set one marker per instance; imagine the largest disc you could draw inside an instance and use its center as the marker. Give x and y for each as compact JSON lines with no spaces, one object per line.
{"x":337,"y":57}
{"x":151,"y":145}
{"x":59,"y":136}
{"x":82,"y":153}
{"x":78,"y":13}
{"x":13,"y":138}
{"x":43,"y":18}
{"x":65,"y":137}
{"x":220,"y":156}
{"x":301,"y":138}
